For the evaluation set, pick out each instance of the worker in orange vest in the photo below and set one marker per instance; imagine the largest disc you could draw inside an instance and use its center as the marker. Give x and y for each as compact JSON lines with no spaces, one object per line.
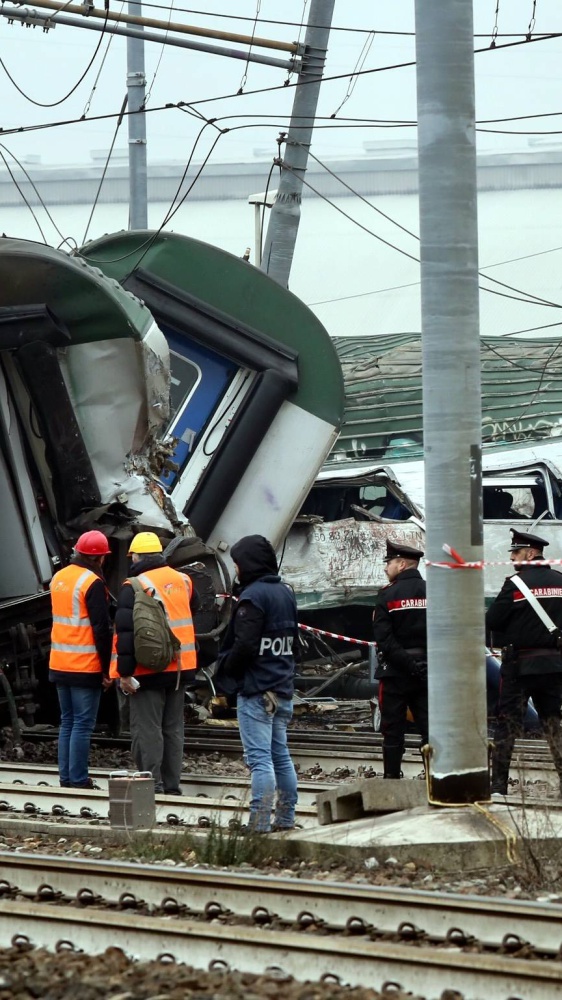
{"x":80,"y":653}
{"x":157,"y":705}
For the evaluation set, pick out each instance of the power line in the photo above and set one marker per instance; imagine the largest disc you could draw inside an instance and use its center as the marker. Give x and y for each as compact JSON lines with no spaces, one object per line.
{"x":529,"y":295}
{"x":106,"y":165}
{"x":54,"y":104}
{"x":415,"y":284}
{"x":345,"y":29}
{"x":491,"y":291}
{"x":64,"y":239}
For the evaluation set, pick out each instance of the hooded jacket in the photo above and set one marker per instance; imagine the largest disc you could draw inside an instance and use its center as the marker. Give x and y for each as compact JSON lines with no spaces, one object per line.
{"x":257,"y":652}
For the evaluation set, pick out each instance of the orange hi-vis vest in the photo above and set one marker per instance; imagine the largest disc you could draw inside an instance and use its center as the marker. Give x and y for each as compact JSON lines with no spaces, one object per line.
{"x":73,"y":646}
{"x":174,"y":589}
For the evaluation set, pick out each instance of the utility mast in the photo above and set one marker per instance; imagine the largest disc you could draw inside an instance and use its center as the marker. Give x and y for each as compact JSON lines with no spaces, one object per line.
{"x":452,"y":419}
{"x":136,"y":90}
{"x":282,"y":230}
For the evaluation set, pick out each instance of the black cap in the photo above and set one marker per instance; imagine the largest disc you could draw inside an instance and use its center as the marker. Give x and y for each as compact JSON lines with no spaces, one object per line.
{"x":523,"y":540}
{"x":394,"y":550}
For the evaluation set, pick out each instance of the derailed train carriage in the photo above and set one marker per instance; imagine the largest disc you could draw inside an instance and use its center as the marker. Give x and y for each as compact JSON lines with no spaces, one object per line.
{"x":98,"y":429}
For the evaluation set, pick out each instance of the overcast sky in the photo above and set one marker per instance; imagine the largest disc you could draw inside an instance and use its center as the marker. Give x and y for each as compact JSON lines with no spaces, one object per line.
{"x":523,"y":79}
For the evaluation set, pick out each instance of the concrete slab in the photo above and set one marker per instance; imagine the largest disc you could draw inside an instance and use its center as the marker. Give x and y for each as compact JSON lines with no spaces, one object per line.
{"x":368,"y":796}
{"x":450,"y":839}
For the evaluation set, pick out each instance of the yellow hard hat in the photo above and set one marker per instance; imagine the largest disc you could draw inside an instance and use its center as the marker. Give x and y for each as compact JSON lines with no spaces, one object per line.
{"x":145,"y":541}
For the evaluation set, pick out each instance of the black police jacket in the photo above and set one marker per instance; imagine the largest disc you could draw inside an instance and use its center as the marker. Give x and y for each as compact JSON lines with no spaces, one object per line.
{"x":399,"y":624}
{"x":257,"y":654}
{"x":512,"y":620}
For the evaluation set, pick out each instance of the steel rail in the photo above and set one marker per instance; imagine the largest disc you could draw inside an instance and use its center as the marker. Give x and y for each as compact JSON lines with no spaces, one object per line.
{"x":34,"y":800}
{"x":192,"y":784}
{"x":342,"y":958}
{"x":299,"y":739}
{"x":339,"y":905}
{"x":330,"y":761}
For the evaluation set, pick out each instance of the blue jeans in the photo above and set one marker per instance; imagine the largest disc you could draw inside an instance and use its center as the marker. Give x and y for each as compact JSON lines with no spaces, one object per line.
{"x":79,"y":709}
{"x":264,"y":738}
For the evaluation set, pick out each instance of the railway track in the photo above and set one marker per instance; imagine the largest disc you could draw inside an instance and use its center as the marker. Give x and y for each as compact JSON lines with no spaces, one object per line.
{"x":426,"y":942}
{"x":330,"y":753}
{"x":193,"y":785}
{"x":42,"y":801}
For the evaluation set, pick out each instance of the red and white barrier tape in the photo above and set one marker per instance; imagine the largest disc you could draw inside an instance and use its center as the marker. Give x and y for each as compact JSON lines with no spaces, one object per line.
{"x":460,"y":563}
{"x":336,"y":635}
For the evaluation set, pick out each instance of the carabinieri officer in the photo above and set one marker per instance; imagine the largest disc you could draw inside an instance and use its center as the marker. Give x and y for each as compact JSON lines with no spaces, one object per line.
{"x":531,"y":658}
{"x":399,"y":628}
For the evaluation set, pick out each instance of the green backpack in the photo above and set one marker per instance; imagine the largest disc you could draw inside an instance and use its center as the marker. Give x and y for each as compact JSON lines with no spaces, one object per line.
{"x":155,"y":643}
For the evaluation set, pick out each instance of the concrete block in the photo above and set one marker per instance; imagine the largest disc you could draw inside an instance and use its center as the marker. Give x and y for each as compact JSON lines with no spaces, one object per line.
{"x":131,"y":801}
{"x":367,"y":797}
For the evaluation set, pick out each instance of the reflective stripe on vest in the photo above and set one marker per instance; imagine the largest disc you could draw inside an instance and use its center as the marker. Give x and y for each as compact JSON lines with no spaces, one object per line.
{"x":163,"y":581}
{"x":73,"y":647}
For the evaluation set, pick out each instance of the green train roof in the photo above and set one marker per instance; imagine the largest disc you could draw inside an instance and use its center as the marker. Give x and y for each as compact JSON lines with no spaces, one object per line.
{"x":521,"y":395}
{"x":242,"y":292}
{"x":90,"y":304}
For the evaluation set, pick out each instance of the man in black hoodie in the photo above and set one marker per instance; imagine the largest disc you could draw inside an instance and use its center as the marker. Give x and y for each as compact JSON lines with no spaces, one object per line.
{"x":257,"y":661}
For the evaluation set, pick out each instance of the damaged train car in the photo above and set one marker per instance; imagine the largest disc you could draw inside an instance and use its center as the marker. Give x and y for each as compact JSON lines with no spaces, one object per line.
{"x":160,"y":384}
{"x":372,"y":486}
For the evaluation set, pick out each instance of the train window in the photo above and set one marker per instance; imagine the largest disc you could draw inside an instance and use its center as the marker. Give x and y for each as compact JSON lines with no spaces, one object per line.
{"x":379,"y":500}
{"x":515,"y":498}
{"x":185,"y":377}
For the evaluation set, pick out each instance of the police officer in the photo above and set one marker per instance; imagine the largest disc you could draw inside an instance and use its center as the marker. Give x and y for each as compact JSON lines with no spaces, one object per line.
{"x":257,"y":662}
{"x":399,"y":627}
{"x":531,"y":658}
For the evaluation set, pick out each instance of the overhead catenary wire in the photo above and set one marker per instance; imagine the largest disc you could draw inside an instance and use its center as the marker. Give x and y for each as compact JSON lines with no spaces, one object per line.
{"x":496,"y":281}
{"x":54,"y":104}
{"x":104,"y":172}
{"x":88,"y":104}
{"x":405,"y":253}
{"x":64,"y":239}
{"x":266,"y":90}
{"x":254,"y":26}
{"x":160,"y":57}
{"x":342,"y":28}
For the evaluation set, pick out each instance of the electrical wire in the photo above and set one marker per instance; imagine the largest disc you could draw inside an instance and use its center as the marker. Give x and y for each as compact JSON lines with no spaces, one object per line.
{"x":64,"y":239}
{"x":54,"y":104}
{"x":88,"y":104}
{"x":106,"y":165}
{"x":254,"y":26}
{"x":287,"y":84}
{"x":342,"y":28}
{"x":355,"y":75}
{"x":152,"y":82}
{"x":8,"y":168}
{"x":496,"y":281}
{"x":145,"y":247}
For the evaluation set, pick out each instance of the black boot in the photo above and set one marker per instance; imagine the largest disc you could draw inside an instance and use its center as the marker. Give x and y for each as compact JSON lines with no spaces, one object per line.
{"x":553,"y":734}
{"x":392,"y":759}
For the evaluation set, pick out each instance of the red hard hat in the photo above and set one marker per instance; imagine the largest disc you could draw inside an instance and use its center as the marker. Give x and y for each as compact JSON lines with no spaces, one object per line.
{"x":92,"y":543}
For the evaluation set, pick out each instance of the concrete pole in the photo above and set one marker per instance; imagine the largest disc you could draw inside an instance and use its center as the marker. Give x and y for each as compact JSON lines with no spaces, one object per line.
{"x":279,"y":245}
{"x":136,"y":90}
{"x":451,"y":398}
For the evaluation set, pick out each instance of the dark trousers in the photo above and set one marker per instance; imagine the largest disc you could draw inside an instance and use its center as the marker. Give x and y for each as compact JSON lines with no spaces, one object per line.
{"x":396,"y":696}
{"x":157,"y":734}
{"x":515,"y":691}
